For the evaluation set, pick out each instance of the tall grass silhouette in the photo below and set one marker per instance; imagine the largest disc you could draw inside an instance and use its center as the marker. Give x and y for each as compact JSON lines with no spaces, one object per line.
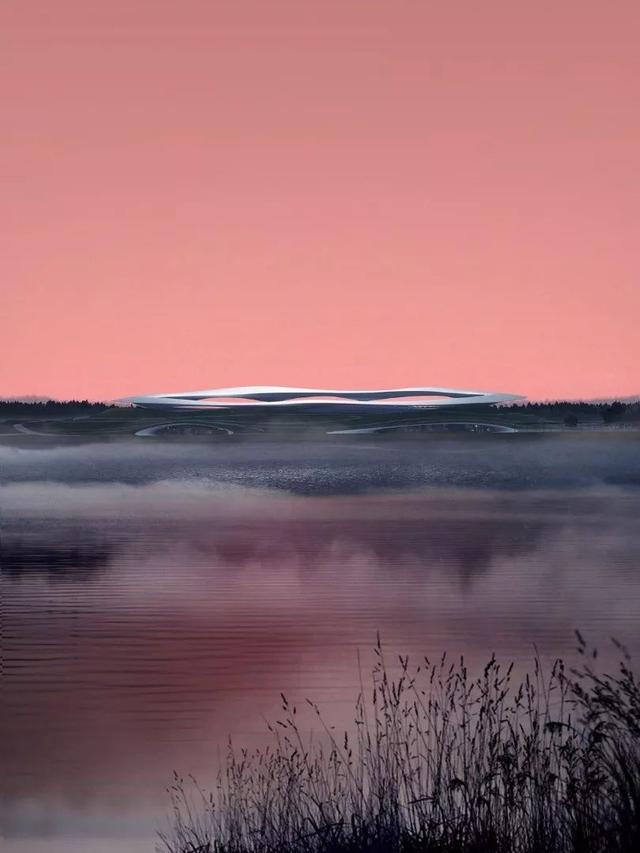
{"x":441,"y":762}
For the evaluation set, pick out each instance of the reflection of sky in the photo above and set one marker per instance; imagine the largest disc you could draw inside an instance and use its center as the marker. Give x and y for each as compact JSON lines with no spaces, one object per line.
{"x":145,"y":624}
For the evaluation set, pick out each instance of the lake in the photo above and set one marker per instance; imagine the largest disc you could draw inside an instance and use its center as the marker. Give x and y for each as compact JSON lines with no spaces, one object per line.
{"x":159,"y":596}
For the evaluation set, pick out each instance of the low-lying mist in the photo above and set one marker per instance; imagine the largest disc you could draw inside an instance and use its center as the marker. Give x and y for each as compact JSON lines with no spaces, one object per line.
{"x":325,"y":468}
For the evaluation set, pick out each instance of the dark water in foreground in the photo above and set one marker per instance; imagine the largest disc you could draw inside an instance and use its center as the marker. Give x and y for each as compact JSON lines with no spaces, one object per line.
{"x":157,"y":600}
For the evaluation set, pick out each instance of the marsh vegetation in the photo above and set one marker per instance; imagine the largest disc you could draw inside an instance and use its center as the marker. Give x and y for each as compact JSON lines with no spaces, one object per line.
{"x":438,"y":761}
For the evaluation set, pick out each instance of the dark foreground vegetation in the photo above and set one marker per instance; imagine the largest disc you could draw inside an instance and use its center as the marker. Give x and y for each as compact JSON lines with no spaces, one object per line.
{"x":441,"y":763}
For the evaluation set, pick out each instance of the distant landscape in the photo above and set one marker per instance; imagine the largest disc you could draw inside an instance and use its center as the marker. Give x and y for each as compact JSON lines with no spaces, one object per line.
{"x":85,"y":420}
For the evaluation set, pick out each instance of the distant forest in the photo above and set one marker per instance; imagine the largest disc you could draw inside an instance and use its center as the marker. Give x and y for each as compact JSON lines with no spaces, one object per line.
{"x":45,"y":408}
{"x":571,"y":412}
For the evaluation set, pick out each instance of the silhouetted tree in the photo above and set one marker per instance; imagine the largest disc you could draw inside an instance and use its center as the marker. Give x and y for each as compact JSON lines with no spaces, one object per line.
{"x":613,"y":412}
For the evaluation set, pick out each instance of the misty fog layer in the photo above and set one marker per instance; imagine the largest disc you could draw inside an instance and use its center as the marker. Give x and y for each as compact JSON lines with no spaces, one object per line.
{"x":500,"y":462}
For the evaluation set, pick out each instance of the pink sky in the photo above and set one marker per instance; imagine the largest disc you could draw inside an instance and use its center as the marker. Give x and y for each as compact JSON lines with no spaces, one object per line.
{"x":320,"y":192}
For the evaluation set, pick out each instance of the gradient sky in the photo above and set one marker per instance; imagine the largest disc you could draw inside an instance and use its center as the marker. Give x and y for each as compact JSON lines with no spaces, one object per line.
{"x":320,"y":192}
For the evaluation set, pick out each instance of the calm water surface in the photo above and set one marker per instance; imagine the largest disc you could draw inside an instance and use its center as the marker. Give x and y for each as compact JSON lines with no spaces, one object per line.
{"x":156,"y":603}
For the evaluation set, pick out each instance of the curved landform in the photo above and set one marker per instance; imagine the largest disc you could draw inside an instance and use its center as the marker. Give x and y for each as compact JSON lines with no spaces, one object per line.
{"x":435,"y":426}
{"x":183,"y":428}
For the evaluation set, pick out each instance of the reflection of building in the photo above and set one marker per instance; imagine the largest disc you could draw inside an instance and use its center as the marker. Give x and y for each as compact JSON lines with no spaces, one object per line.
{"x":308,"y":400}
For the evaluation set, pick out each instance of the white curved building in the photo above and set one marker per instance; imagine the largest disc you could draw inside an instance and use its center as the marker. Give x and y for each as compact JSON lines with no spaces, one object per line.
{"x":256,"y":397}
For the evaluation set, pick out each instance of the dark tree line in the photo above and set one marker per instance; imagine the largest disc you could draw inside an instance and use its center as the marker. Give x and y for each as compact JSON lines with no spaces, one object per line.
{"x":572,"y":411}
{"x":19,"y":408}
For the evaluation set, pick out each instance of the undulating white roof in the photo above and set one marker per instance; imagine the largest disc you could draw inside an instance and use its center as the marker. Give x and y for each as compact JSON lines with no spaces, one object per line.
{"x":282,"y":395}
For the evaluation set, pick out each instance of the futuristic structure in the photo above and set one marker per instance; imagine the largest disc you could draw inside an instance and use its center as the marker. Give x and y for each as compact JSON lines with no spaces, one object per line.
{"x":319,"y":400}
